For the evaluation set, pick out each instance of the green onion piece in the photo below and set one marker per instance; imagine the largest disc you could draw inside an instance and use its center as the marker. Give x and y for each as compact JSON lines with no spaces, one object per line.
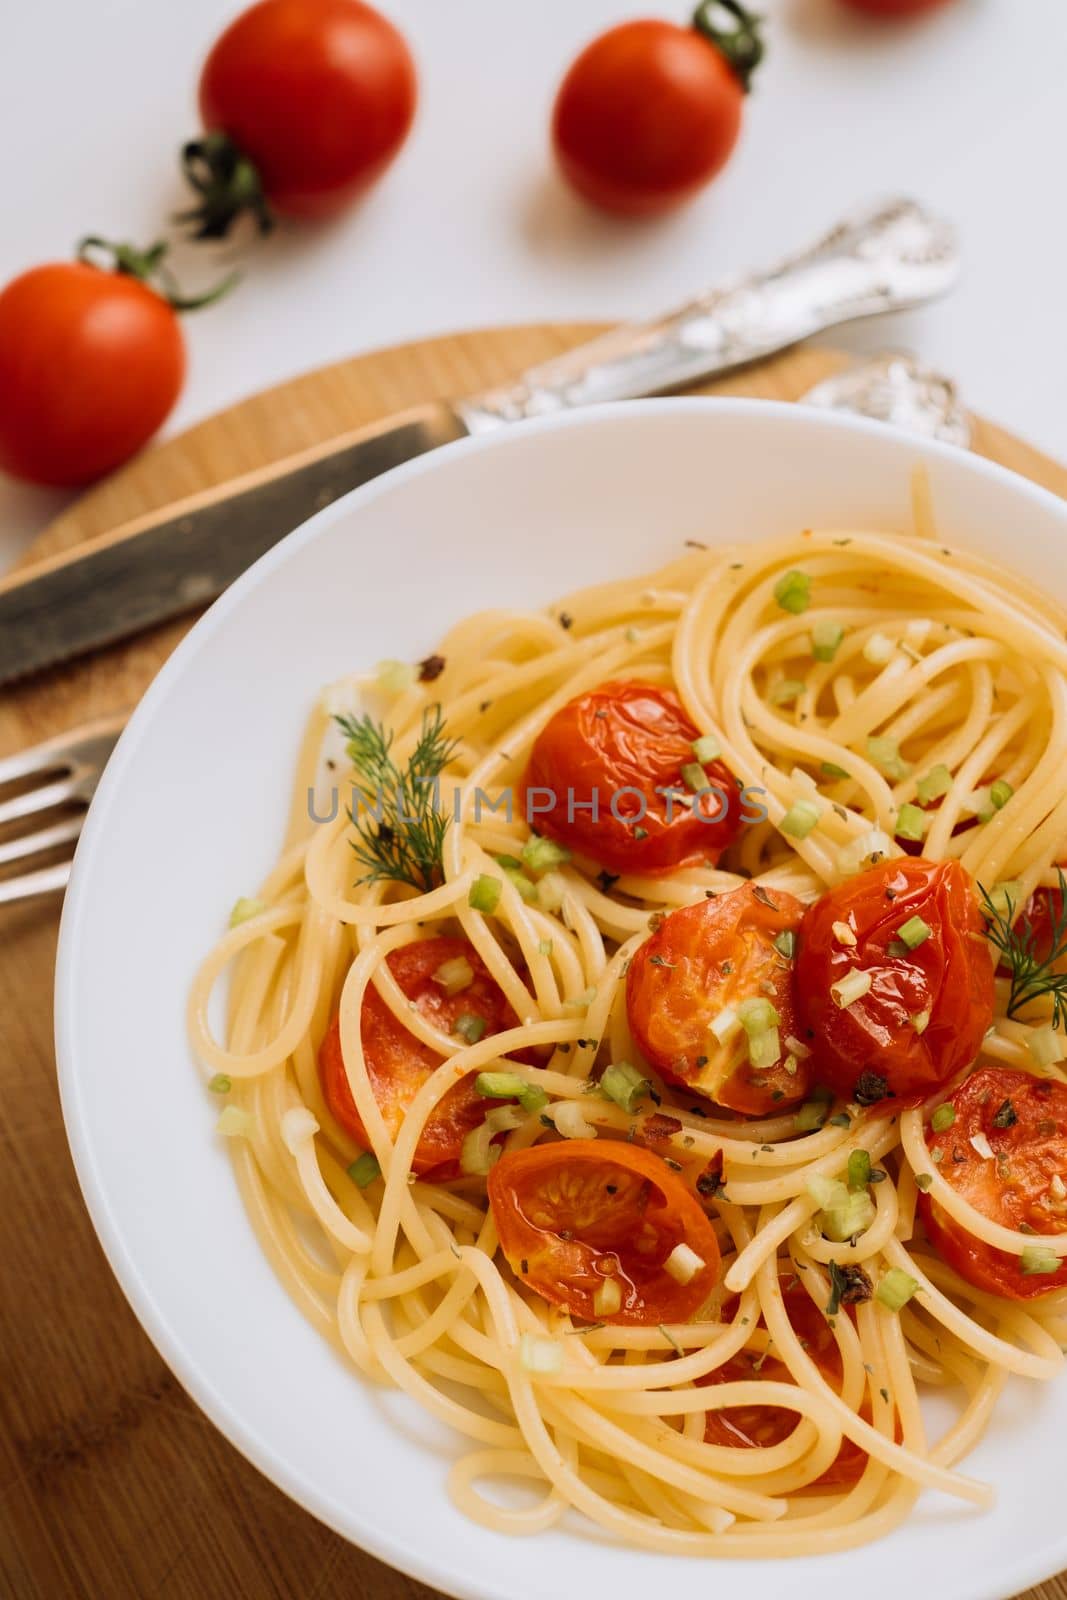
{"x":852,"y":987}
{"x":694,"y":777}
{"x":914,"y":932}
{"x":469,"y":1027}
{"x":793,"y":591}
{"x":550,"y":891}
{"x":395,"y":676}
{"x":235,"y":1123}
{"x":706,"y":748}
{"x":789,"y":689}
{"x":1000,"y":793}
{"x":499,"y":1085}
{"x":541,"y":855}
{"x":841,"y":1222}
{"x":454,"y":976}
{"x":365,"y":1169}
{"x":725,"y":1025}
{"x":826,"y":640}
{"x":484,"y":893}
{"x":1046,"y":1046}
{"x":912,"y":823}
{"x":924,"y":1181}
{"x":830,"y":769}
{"x":1037,"y":1258}
{"x":527,"y":889}
{"x":509,"y":863}
{"x":478,"y":1151}
{"x":943,"y":1118}
{"x":827,"y":1193}
{"x":937,"y":782}
{"x":544,"y":947}
{"x":756,"y":1015}
{"x":812,"y":1115}
{"x":896,"y":1289}
{"x":785,"y":943}
{"x":623,"y":1083}
{"x":859,"y":1170}
{"x":243,"y":909}
{"x":799,"y":819}
{"x":885,"y":753}
{"x":921,"y":1020}
{"x":980,"y":803}
{"x":220,"y":1084}
{"x":764,"y":1049}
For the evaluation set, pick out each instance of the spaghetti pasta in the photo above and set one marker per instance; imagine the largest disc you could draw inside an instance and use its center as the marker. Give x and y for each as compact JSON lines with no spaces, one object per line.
{"x":926,"y":660}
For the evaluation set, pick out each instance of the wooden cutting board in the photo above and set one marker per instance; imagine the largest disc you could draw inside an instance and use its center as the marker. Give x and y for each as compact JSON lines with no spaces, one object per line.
{"x":112,"y":1482}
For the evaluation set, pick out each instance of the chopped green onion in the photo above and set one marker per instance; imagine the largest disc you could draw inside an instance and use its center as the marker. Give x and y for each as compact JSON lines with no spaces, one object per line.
{"x":501,"y":1085}
{"x":830,"y":769}
{"x":220,"y":1084}
{"x":859,"y":1169}
{"x":1005,"y":897}
{"x":243,"y":909}
{"x":793,"y":591}
{"x":469,"y":1027}
{"x":980,"y":804}
{"x":454,"y":976}
{"x":1046,"y":1046}
{"x":943,"y":1118}
{"x":937,"y":782}
{"x":914,"y":932}
{"x":608,"y":1298}
{"x":694,"y":777}
{"x":1037,"y":1258}
{"x":364,"y":1170}
{"x":789,"y":689}
{"x":478,"y":1151}
{"x":550,"y":891}
{"x":582,"y":1001}
{"x":541,"y":855}
{"x":885,"y":753}
{"x":826,"y":640}
{"x":509,"y":863}
{"x":924,"y":1181}
{"x":484,"y":893}
{"x":1000,"y":793}
{"x":827,"y":1193}
{"x":540,"y":1355}
{"x":799,"y":819}
{"x":683,"y":1264}
{"x":785,"y":943}
{"x":840,"y":1223}
{"x":764,"y":1049}
{"x":527,"y":889}
{"x":235,"y":1123}
{"x":395,"y":676}
{"x":878,"y":650}
{"x":725,"y":1025}
{"x":571,"y":1122}
{"x":852,"y":987}
{"x":756,"y":1015}
{"x":706,"y":748}
{"x":912,"y":823}
{"x":544,"y":947}
{"x":896,"y":1289}
{"x":812,"y":1115}
{"x":623,"y":1083}
{"x":921,"y":1020}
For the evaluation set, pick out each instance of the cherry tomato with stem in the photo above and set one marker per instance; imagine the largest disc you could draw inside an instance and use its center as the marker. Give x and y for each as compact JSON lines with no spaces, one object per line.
{"x":1022,"y":1122}
{"x":700,"y":966}
{"x":894,"y":980}
{"x":304,"y":104}
{"x":605,"y":777}
{"x":650,"y":111}
{"x":92,"y":360}
{"x":575,"y":1215}
{"x":398,"y":1064}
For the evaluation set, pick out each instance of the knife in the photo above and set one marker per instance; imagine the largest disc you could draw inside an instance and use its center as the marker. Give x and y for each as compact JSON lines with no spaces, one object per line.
{"x":885,"y":258}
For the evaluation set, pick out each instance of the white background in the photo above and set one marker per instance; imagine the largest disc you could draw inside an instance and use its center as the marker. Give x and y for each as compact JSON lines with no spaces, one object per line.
{"x":966,"y":110}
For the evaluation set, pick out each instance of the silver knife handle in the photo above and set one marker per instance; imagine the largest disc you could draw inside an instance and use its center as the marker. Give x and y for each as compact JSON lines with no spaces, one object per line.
{"x":887,"y":258}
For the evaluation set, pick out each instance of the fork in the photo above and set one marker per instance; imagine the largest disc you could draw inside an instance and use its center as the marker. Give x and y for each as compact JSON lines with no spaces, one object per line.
{"x":63,"y":771}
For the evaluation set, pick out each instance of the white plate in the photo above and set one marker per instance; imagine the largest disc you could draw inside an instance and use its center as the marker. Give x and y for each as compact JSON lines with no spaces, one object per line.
{"x":189,"y":816}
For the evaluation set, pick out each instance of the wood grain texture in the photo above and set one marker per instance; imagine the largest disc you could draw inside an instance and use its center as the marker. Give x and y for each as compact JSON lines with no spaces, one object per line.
{"x":112,"y":1483}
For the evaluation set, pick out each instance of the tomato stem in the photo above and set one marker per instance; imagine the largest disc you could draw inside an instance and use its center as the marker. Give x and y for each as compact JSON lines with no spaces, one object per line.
{"x":228,"y":185}
{"x":737,"y":35}
{"x":149,"y":266}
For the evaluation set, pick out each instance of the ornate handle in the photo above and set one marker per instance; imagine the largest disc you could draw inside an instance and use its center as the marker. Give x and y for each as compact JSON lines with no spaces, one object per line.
{"x":886,"y":259}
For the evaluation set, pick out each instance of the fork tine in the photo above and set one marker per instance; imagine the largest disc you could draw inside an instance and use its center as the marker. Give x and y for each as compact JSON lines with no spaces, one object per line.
{"x":31,"y":844}
{"x":86,"y":747}
{"x":46,"y":881}
{"x":26,"y":763}
{"x":52,"y":794}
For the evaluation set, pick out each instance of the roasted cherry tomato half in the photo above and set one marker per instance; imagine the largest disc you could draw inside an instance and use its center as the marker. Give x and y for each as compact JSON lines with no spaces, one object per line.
{"x":398,"y":1064}
{"x":1022,"y":1185}
{"x":706,"y":960}
{"x":618,"y":748}
{"x":572,"y":1215}
{"x":748,"y":1426}
{"x":907,"y":941}
{"x":650,"y":112}
{"x":305,"y":103}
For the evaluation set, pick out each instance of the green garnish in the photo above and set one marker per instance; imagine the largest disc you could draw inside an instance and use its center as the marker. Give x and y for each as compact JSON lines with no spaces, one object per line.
{"x":1032,"y":975}
{"x":859,"y":1170}
{"x":365,"y":1169}
{"x":469,"y":1027}
{"x":937,"y":782}
{"x":789,"y":689}
{"x":706,"y":748}
{"x":826,"y":640}
{"x":542,"y":855}
{"x":623,"y":1083}
{"x":243,"y":909}
{"x":1000,"y":793}
{"x":220,"y":1084}
{"x":1036,"y":1259}
{"x":484,"y":893}
{"x":786,"y":944}
{"x":885,"y":753}
{"x":914,"y":932}
{"x":694,"y":777}
{"x":799,"y":820}
{"x":912,"y":822}
{"x":403,"y":832}
{"x":509,"y":1086}
{"x":830,"y":769}
{"x":793,"y":591}
{"x":943,"y":1118}
{"x":896,"y":1289}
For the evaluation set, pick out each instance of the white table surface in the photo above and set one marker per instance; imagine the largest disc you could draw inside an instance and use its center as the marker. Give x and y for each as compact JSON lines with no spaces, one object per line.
{"x":966,"y":110}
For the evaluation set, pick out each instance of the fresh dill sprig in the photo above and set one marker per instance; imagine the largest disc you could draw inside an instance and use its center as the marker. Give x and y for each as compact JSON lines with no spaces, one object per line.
{"x":1033,"y":975}
{"x":401,"y":835}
